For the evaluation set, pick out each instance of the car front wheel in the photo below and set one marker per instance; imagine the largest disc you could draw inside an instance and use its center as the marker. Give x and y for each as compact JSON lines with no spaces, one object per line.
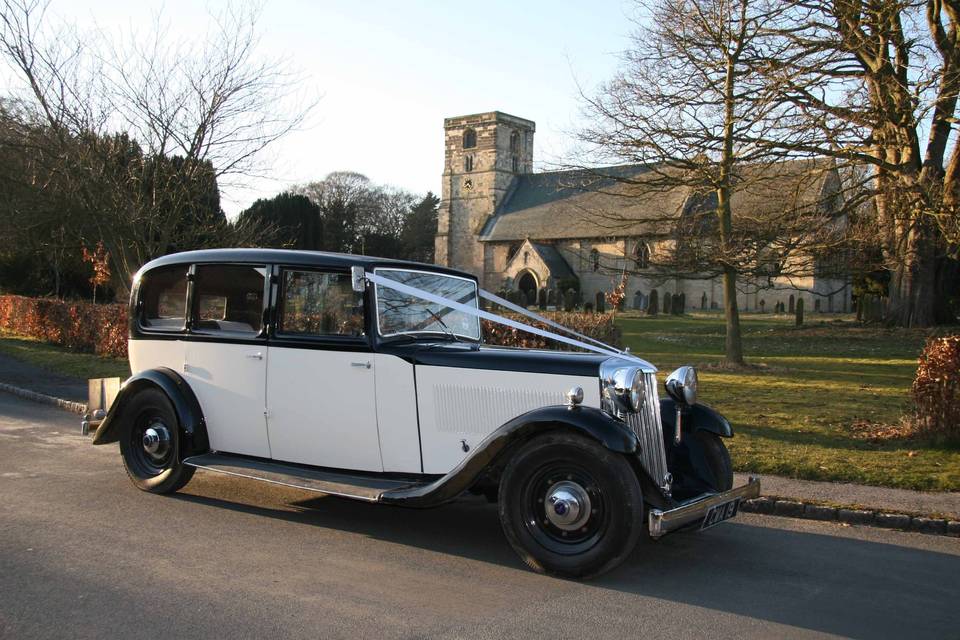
{"x":569,"y":506}
{"x":150,"y":444}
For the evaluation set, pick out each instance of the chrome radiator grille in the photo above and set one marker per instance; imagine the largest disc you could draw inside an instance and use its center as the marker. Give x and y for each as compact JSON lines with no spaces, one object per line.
{"x":649,"y":429}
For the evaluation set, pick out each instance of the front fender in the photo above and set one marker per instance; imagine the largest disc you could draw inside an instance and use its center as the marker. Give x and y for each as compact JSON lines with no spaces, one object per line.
{"x":193,"y":428}
{"x":586,"y":421}
{"x":699,"y":417}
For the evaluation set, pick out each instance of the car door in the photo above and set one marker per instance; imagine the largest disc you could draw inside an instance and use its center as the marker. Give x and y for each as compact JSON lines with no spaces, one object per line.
{"x":226,"y":356}
{"x":321,"y":385}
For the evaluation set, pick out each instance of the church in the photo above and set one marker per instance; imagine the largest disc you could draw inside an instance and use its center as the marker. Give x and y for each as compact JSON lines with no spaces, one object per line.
{"x":518,"y":230}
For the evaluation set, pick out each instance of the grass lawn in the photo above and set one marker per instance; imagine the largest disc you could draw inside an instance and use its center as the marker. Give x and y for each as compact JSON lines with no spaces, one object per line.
{"x":62,"y":360}
{"x":792,"y":415}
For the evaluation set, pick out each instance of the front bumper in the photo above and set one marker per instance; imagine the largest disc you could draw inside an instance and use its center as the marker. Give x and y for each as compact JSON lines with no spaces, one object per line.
{"x":663,"y":522}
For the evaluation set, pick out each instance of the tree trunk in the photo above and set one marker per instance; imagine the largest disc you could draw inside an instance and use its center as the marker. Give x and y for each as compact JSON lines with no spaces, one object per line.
{"x":913,"y":282}
{"x":733,"y":345}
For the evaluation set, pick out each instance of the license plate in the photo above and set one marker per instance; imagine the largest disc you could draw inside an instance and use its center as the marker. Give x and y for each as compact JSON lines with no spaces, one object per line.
{"x":720,"y":512}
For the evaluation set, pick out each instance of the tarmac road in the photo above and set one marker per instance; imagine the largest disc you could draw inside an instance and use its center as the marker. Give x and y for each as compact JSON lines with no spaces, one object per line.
{"x":85,"y":555}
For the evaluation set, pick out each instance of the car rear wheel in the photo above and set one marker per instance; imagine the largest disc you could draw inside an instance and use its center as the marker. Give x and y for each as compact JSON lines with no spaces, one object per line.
{"x":569,"y":506}
{"x":150,"y":444}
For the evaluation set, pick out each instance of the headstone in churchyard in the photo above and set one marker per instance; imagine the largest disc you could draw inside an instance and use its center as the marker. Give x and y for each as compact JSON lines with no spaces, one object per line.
{"x":637,"y":301}
{"x":763,"y":305}
{"x":542,"y":299}
{"x":799,"y":313}
{"x":552,"y":298}
{"x":682,"y":307}
{"x":792,"y":303}
{"x":601,"y":302}
{"x":703,"y":301}
{"x":667,"y":302}
{"x":653,"y":306}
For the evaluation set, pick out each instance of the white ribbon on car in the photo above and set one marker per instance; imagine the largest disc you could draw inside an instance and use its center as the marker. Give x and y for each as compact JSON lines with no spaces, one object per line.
{"x":596,"y":347}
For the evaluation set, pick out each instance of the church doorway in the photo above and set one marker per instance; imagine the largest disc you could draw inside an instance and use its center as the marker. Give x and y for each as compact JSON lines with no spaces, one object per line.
{"x":527,"y":283}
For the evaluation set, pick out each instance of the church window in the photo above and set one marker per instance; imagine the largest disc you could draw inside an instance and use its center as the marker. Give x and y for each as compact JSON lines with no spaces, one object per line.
{"x":641,"y":255}
{"x":469,"y":139}
{"x":595,"y":258}
{"x":516,"y":164}
{"x":468,"y":163}
{"x":526,"y":257}
{"x":515,"y":143}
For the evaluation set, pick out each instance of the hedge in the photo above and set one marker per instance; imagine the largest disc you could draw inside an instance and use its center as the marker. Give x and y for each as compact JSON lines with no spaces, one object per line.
{"x":599,"y":326}
{"x":81,"y":326}
{"x":102,"y":328}
{"x":936,"y":389}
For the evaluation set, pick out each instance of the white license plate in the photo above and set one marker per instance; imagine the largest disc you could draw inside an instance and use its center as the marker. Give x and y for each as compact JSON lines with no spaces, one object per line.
{"x":720,"y":512}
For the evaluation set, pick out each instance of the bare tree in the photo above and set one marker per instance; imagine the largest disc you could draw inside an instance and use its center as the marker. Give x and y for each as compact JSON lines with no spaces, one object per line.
{"x":690,"y":106}
{"x":144,"y":129}
{"x":875,"y":82}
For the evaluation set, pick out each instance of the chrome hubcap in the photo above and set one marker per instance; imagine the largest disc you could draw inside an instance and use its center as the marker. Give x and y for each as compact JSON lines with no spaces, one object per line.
{"x":156,"y":440}
{"x":567,"y":505}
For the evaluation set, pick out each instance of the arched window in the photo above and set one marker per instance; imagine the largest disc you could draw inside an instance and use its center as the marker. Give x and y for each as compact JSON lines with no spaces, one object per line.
{"x":641,"y":255}
{"x":469,"y":139}
{"x":468,"y":163}
{"x":514,"y":142}
{"x":595,"y":258}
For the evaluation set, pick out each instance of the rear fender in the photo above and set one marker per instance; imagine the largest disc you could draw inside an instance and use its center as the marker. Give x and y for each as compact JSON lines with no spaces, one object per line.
{"x":193,"y":428}
{"x":586,"y":421}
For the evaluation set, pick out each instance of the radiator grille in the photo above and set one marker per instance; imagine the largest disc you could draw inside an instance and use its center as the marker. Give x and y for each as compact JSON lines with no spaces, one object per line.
{"x":649,"y":429}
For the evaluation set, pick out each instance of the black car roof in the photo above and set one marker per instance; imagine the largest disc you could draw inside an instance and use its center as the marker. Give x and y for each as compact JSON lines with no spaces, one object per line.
{"x":293,"y":258}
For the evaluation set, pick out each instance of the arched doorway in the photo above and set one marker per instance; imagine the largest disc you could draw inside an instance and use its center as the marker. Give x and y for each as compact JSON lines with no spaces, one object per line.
{"x":527,"y":283}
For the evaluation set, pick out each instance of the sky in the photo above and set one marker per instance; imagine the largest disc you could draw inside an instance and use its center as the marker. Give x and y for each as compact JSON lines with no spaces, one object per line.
{"x":388,"y":73}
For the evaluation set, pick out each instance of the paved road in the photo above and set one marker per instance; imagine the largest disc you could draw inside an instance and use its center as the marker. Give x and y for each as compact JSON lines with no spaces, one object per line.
{"x":85,"y":555}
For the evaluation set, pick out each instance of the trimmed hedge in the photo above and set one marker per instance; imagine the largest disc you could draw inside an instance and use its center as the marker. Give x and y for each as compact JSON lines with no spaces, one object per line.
{"x":102,"y":328}
{"x":936,"y":389}
{"x":81,"y":326}
{"x":599,"y":326}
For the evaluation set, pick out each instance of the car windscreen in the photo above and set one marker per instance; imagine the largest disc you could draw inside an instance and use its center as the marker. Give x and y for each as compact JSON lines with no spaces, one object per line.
{"x":400,"y":313}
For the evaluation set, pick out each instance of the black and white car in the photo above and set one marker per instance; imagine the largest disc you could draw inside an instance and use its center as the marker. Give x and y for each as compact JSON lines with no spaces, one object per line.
{"x":367,"y":378}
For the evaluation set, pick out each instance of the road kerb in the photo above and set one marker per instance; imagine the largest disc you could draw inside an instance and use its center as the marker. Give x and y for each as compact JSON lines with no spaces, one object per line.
{"x":69,"y":405}
{"x":798,"y":508}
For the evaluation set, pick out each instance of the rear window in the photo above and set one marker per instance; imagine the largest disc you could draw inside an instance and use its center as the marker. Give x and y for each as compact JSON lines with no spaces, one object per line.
{"x":163,"y":298}
{"x":228,"y":298}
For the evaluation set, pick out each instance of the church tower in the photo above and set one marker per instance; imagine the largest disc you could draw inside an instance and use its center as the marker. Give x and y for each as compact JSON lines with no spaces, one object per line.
{"x":483,"y":153}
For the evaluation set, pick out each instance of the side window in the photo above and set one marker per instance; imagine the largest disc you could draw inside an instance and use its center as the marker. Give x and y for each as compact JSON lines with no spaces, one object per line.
{"x":163,"y":298}
{"x":228,"y":298}
{"x":314,"y":303}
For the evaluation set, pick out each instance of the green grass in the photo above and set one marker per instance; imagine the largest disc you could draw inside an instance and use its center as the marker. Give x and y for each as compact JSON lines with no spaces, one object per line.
{"x":792,"y":413}
{"x":62,"y":360}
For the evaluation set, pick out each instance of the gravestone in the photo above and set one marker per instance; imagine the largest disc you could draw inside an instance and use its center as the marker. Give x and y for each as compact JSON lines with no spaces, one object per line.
{"x":792,"y":303}
{"x":601,"y":302}
{"x":552,"y":298}
{"x":653,"y":306}
{"x":703,"y":301}
{"x":799,"y":312}
{"x":667,"y":302}
{"x":763,"y":305}
{"x":542,"y":299}
{"x":637,"y":301}
{"x":681,"y":307}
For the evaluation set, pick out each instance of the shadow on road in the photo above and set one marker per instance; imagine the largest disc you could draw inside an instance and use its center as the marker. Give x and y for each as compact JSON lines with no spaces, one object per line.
{"x":827,"y":583}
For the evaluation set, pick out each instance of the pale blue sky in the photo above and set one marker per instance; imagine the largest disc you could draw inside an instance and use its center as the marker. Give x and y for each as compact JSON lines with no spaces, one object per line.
{"x":389,"y":72}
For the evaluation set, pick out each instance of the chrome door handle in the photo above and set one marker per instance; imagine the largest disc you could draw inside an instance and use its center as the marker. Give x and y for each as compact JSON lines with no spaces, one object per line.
{"x":365,"y":365}
{"x":255,"y":356}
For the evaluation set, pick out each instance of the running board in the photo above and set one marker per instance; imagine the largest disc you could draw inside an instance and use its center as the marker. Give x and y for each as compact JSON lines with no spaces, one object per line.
{"x":334,"y":483}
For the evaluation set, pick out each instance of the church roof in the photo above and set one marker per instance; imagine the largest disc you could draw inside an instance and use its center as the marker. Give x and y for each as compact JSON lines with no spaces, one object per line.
{"x":558,"y":266}
{"x":632,"y":200}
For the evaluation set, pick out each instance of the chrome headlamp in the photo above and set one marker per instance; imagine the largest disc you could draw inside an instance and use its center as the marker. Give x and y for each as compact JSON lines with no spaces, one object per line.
{"x":623,"y":390}
{"x":682,"y":385}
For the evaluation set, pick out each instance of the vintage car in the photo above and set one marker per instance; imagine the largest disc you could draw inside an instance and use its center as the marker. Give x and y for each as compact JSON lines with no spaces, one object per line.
{"x":367,"y":378}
